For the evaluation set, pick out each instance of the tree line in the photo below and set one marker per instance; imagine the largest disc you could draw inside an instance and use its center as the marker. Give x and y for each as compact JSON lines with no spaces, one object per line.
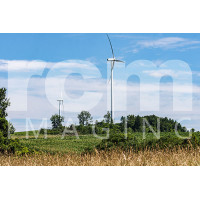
{"x":132,"y":123}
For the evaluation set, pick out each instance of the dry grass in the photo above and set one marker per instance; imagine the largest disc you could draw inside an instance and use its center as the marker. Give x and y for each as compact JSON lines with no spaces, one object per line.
{"x":180,"y":157}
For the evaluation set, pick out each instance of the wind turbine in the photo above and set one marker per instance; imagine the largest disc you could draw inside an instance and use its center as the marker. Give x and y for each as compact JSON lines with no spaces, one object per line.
{"x":60,"y":101}
{"x":112,"y":60}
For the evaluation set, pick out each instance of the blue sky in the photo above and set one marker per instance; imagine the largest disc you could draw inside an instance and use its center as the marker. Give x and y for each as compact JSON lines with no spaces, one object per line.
{"x":33,"y":54}
{"x":95,"y":47}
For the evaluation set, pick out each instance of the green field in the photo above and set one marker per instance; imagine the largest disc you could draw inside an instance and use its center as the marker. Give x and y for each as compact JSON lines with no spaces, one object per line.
{"x":71,"y":144}
{"x":55,"y":143}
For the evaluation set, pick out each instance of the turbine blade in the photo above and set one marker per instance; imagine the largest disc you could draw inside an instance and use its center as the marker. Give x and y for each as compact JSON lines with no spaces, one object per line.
{"x":112,"y":66}
{"x":109,"y":79}
{"x":120,"y":61}
{"x":61,"y":96}
{"x":111,"y":46}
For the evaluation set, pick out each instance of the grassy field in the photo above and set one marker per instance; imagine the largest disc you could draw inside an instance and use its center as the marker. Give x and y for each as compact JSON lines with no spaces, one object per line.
{"x":57,"y":144}
{"x":55,"y":151}
{"x":176,"y":157}
{"x":71,"y":144}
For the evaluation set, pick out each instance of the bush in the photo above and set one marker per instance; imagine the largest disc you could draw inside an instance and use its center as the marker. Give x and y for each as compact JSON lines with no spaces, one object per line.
{"x":12,"y":146}
{"x":56,"y":131}
{"x":167,"y":140}
{"x":116,"y":140}
{"x":84,"y":130}
{"x":4,"y":127}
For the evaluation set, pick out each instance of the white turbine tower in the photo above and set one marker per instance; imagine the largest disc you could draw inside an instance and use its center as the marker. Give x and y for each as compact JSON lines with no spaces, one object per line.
{"x":60,"y":101}
{"x":112,"y":60}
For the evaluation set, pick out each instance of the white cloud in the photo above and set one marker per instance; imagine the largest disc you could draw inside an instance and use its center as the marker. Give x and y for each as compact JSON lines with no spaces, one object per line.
{"x":160,"y":73}
{"x":157,"y":62}
{"x":167,"y":72}
{"x":39,"y":106}
{"x":25,"y":66}
{"x":21,"y":65}
{"x":167,"y":43}
{"x":196,"y":73}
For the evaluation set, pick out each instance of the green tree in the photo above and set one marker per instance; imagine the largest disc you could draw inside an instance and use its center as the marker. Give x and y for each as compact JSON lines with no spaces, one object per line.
{"x":138,"y":124}
{"x":192,"y":130}
{"x":107,"y":117}
{"x":8,"y":145}
{"x":123,"y":123}
{"x":56,"y":121}
{"x":84,"y":118}
{"x":4,"y":103}
{"x":11,"y":128}
{"x":131,"y":121}
{"x":4,"y":126}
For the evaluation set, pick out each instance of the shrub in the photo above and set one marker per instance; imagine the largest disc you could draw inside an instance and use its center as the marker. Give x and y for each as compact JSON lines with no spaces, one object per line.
{"x":169,"y":140}
{"x":4,"y":126}
{"x":56,"y":131}
{"x":12,"y":146}
{"x":116,"y":140}
{"x":84,"y":130}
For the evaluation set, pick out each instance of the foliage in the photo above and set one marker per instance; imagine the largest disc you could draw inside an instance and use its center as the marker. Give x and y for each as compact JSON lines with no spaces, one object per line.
{"x":84,"y":118}
{"x":117,"y":139}
{"x":4,"y":103}
{"x":4,"y":127}
{"x":56,"y":121}
{"x":55,"y":131}
{"x":12,"y":146}
{"x":107,"y":117}
{"x":87,"y":143}
{"x":166,"y":125}
{"x":8,"y":145}
{"x":85,"y":130}
{"x":11,"y":128}
{"x":56,"y":144}
{"x":131,"y":122}
{"x":132,"y":141}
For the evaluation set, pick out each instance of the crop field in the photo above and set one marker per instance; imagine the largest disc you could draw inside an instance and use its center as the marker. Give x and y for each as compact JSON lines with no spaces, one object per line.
{"x":70,"y":151}
{"x":56,"y":144}
{"x":72,"y":144}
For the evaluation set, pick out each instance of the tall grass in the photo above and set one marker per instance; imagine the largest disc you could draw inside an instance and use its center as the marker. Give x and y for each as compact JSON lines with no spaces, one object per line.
{"x":157,"y":157}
